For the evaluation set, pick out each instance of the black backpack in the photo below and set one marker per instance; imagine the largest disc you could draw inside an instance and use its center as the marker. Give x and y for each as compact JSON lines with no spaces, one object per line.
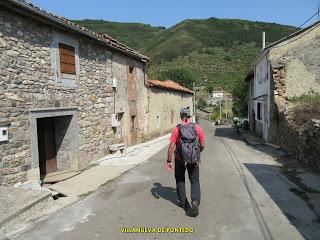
{"x":189,"y":149}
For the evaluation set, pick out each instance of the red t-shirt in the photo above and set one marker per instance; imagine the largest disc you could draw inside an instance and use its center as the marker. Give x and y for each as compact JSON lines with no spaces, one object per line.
{"x":175,"y":135}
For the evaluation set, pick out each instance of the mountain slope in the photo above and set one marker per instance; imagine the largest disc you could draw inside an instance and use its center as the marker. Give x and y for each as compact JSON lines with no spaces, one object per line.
{"x":216,"y":52}
{"x":134,"y":35}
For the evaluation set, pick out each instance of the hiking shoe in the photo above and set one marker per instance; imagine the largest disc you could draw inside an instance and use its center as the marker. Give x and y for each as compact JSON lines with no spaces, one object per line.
{"x":194,"y":208}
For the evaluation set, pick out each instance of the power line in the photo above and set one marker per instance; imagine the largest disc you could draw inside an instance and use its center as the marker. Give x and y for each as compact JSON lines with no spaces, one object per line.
{"x":317,"y":13}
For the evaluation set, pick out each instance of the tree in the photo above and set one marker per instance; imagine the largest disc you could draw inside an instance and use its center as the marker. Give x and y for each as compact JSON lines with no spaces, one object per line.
{"x":210,"y":89}
{"x":179,"y":75}
{"x":202,"y":103}
{"x":240,"y":93}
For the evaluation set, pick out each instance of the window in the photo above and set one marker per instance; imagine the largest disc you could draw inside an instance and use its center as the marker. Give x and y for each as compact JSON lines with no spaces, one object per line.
{"x":67,"y":59}
{"x":259,"y":112}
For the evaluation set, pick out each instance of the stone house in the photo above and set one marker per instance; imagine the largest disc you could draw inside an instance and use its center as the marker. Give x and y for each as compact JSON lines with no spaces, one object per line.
{"x":165,"y":99}
{"x":66,"y":94}
{"x":285,"y":69}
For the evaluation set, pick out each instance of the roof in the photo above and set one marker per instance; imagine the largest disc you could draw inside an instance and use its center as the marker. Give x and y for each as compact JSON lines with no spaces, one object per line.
{"x":295,"y":34}
{"x":106,"y":40}
{"x":169,"y":85}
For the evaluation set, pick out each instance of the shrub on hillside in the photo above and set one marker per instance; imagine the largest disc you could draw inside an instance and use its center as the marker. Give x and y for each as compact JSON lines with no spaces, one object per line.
{"x":306,"y":107}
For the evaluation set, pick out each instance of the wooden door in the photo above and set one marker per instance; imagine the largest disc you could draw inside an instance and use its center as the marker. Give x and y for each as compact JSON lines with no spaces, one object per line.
{"x":49,"y":146}
{"x":46,"y":144}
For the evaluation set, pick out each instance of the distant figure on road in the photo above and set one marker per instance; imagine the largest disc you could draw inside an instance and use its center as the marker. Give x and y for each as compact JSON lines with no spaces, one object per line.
{"x":186,"y":143}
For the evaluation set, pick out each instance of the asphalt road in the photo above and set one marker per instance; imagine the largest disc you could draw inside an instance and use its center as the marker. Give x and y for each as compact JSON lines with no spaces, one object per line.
{"x":244,"y":196}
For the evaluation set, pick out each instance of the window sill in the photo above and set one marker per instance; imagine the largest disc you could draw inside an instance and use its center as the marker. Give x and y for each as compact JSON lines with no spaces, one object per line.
{"x":68,"y":76}
{"x":67,"y":82}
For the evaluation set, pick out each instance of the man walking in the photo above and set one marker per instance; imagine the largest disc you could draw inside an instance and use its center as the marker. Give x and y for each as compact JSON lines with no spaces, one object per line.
{"x":186,"y":143}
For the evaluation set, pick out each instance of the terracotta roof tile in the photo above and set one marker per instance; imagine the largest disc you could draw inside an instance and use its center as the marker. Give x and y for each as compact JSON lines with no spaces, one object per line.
{"x":170,"y":85}
{"x":106,"y":39}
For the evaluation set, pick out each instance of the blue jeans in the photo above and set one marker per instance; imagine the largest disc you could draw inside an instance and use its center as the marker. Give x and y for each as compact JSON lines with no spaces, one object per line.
{"x":193,"y":172}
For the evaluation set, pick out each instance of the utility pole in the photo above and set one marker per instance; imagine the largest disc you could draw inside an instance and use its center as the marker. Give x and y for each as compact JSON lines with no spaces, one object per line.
{"x":226,"y":108}
{"x":194,"y":101}
{"x":220,"y":109}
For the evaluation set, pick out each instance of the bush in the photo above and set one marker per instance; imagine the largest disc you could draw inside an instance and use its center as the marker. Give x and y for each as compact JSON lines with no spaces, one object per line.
{"x":307,"y":107}
{"x":240,"y":93}
{"x":202,"y":103}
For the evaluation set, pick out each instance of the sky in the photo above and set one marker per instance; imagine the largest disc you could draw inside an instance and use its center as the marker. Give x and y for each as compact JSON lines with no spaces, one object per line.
{"x":170,"y":12}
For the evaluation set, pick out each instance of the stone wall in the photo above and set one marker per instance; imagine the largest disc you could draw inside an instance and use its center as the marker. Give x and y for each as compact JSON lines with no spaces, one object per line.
{"x":29,"y":81}
{"x":309,"y":149}
{"x":302,"y":143}
{"x":164,"y":110}
{"x":125,"y":107}
{"x":300,"y":55}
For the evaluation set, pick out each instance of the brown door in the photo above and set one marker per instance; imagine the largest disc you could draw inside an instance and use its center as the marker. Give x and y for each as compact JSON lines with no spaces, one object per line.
{"x":46,"y":143}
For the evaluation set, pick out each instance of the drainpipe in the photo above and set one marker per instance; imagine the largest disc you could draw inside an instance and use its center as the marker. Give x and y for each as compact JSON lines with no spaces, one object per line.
{"x":113,"y":88}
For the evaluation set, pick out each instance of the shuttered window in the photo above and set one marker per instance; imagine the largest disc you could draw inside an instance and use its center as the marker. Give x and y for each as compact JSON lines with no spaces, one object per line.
{"x":67,"y":59}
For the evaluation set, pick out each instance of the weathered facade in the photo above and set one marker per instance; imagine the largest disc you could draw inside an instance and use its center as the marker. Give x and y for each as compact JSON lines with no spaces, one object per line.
{"x":287,"y":68}
{"x":60,"y":87}
{"x":165,"y":99}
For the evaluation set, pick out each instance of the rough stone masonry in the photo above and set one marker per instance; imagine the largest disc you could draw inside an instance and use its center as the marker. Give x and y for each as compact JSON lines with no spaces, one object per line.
{"x":32,"y":87}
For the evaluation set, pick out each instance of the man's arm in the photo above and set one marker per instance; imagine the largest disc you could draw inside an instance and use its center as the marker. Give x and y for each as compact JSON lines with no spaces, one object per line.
{"x":201,"y":136}
{"x":170,"y":152}
{"x":170,"y":155}
{"x":201,"y":146}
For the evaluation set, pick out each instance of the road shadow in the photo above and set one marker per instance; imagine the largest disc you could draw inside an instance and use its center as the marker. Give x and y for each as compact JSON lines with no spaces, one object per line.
{"x":279,"y":155}
{"x":288,"y":197}
{"x":227,"y":132}
{"x":169,"y":194}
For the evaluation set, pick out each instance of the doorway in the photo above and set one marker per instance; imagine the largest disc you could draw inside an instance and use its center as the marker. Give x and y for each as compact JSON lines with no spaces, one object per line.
{"x":46,"y":146}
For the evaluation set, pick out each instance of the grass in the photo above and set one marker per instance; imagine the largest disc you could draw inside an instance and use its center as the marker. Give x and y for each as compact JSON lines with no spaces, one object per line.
{"x":306,"y":107}
{"x":311,"y":97}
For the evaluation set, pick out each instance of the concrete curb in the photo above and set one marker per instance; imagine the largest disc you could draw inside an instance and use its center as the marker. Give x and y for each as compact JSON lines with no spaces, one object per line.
{"x":20,"y":211}
{"x":13,"y":222}
{"x":131,"y":149}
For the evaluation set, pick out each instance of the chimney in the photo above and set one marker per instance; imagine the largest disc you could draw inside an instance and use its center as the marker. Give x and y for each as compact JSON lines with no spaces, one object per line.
{"x":263,"y":40}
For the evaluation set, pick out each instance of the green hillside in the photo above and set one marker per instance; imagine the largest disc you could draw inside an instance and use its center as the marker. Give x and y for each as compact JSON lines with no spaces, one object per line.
{"x":135,"y":35}
{"x":216,"y":52}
